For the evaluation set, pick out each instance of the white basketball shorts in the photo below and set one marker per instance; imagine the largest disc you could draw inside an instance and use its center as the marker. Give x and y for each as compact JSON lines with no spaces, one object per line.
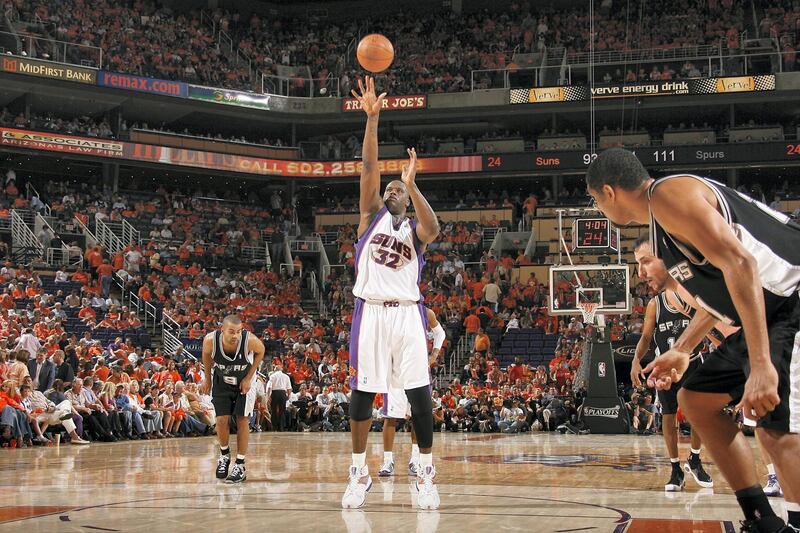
{"x":388,"y":346}
{"x":395,"y":404}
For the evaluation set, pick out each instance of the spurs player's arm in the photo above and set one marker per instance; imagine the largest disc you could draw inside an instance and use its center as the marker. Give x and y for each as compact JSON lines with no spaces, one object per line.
{"x":645,"y":341}
{"x":427,"y":223}
{"x":208,"y":363}
{"x":370,"y":201}
{"x":438,"y":336}
{"x":688,"y":210}
{"x":255,"y":346}
{"x":723,"y":329}
{"x":667,"y":371}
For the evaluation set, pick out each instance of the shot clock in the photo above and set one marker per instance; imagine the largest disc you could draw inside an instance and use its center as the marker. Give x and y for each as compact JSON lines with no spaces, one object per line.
{"x":594,"y":234}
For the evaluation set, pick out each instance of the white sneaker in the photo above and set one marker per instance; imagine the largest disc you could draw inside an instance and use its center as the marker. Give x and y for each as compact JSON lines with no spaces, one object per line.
{"x":428,"y":493}
{"x":78,"y":441}
{"x":773,"y":487}
{"x":387,"y":469}
{"x":413,"y":468}
{"x":356,"y":493}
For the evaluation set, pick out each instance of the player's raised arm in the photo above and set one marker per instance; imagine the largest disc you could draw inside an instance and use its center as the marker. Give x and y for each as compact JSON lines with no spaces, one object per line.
{"x":370,"y":201}
{"x":427,"y":223}
{"x":685,"y":210}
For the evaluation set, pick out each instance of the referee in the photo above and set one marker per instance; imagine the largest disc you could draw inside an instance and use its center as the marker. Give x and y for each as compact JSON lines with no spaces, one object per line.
{"x":281,"y":387}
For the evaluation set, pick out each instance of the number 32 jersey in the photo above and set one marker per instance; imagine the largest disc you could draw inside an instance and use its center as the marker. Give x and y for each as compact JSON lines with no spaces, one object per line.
{"x":389,"y":260}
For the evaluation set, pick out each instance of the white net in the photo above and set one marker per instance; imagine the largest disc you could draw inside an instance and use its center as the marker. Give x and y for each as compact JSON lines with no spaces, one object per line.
{"x":588,"y":311}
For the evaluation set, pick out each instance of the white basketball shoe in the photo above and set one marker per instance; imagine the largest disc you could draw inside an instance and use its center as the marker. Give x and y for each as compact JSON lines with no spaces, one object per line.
{"x":355,"y":495}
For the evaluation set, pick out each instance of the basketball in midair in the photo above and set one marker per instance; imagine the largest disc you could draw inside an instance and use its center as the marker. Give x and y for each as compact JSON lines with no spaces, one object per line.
{"x":375,"y":52}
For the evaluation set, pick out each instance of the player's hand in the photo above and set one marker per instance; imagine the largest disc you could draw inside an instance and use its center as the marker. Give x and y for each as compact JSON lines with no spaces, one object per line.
{"x":760,"y":392}
{"x":370,"y":103}
{"x":667,"y":369}
{"x":410,"y":169}
{"x":245,"y":385}
{"x":636,"y":374}
{"x":205,"y":386}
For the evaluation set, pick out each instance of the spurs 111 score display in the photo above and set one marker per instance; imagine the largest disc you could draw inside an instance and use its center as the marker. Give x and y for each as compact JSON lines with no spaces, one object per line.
{"x":594,"y":234}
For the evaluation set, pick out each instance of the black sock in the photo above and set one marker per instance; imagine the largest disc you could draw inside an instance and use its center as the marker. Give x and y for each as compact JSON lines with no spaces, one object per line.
{"x":226,"y":451}
{"x":239,"y":461}
{"x":794,"y":519}
{"x":754,"y":503}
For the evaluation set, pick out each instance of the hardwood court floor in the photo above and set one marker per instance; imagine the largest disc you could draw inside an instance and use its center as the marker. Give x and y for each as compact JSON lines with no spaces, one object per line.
{"x":532,"y":482}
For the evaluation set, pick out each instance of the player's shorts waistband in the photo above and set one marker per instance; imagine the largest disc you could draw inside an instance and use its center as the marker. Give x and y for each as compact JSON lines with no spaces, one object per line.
{"x":389,"y":303}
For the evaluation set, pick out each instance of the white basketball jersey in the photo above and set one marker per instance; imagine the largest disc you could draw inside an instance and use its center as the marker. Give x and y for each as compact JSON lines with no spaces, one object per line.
{"x":388,"y":262}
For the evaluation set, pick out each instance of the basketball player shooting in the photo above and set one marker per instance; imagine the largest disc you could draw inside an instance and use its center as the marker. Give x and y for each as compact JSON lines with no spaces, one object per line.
{"x":234,"y":355}
{"x":395,"y":408}
{"x":740,"y":260}
{"x":388,"y":347}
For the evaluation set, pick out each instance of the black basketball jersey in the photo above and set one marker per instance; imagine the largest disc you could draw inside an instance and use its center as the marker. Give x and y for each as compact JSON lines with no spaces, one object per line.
{"x":233,"y":367}
{"x":670,"y":323}
{"x":771,"y":237}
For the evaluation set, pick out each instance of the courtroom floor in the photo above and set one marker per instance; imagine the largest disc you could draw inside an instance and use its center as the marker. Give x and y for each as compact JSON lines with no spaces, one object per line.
{"x":536,"y":482}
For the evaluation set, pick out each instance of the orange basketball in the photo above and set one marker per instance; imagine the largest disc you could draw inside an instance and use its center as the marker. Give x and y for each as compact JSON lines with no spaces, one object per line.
{"x":375,"y":52}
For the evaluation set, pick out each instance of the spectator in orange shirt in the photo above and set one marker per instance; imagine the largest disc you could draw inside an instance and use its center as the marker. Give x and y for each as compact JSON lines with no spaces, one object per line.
{"x":195,"y":332}
{"x":144,"y":293}
{"x":140,"y":372}
{"x":482,"y":342}
{"x":133,"y":321}
{"x":16,"y":292}
{"x":87,"y":312}
{"x":81,"y":276}
{"x":33,"y":289}
{"x":94,"y":257}
{"x":472,"y":324}
{"x":118,"y":376}
{"x":530,"y":205}
{"x":104,"y":273}
{"x":102,"y":371}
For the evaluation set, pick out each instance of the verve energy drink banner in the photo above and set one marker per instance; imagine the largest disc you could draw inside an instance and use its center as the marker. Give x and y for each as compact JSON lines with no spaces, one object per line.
{"x":578,"y":93}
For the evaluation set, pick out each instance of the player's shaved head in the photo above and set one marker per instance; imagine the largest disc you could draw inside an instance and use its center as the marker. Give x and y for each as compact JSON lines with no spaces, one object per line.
{"x":231,"y":320}
{"x":231,"y":329}
{"x":396,"y":198}
{"x":616,"y":167}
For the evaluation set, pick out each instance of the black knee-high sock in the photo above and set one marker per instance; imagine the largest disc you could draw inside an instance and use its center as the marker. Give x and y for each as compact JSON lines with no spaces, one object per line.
{"x":422,"y":415}
{"x":755,"y":506}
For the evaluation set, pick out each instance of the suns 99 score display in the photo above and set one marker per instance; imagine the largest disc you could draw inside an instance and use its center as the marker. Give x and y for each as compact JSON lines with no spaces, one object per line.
{"x":594,"y":234}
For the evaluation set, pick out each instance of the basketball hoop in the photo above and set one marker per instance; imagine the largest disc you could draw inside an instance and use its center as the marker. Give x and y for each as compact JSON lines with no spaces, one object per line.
{"x":588,"y":310}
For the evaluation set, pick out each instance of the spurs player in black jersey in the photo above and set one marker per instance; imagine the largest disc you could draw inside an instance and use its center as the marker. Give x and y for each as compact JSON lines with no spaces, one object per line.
{"x":666,"y":317}
{"x":741,"y":262}
{"x":231,"y":357}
